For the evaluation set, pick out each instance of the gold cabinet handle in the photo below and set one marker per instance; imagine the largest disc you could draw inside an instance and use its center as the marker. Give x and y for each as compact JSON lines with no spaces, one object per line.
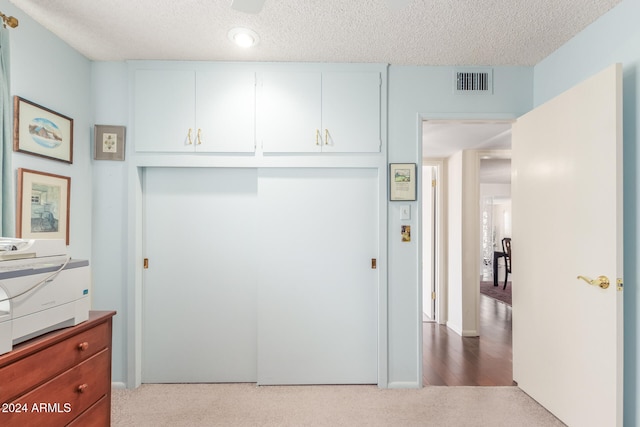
{"x":602,"y":281}
{"x":189,"y":141}
{"x":199,"y":139}
{"x":326,"y":137}
{"x":317,"y":136}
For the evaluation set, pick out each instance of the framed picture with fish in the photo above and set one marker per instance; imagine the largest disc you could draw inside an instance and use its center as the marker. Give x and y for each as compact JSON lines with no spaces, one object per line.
{"x":42,"y":132}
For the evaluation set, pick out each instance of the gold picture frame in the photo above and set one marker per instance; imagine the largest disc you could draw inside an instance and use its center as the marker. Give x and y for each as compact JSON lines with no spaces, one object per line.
{"x":108,"y":142}
{"x":41,"y":132}
{"x":43,"y":205}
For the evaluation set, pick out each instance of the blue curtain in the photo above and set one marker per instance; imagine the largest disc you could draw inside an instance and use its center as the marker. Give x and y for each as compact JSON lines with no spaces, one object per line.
{"x":7,"y":210}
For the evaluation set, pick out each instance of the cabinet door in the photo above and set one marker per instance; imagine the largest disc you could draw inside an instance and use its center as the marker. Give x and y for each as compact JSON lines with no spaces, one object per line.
{"x":164,"y":110}
{"x":289,"y":112}
{"x":351,"y":112}
{"x":225,"y":111}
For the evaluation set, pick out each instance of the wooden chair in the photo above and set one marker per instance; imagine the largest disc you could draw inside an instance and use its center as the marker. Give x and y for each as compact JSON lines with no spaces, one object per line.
{"x":506,"y":249}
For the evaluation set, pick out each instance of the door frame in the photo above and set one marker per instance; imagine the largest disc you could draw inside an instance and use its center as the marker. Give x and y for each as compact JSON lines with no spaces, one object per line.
{"x":443,"y":210}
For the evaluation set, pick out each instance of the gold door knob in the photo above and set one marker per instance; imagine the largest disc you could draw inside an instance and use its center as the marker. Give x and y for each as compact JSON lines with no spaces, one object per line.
{"x":602,"y":281}
{"x":189,"y":141}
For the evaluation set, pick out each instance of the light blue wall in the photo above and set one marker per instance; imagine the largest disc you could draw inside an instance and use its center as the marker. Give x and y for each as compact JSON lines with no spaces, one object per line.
{"x":613,"y":38}
{"x":428,"y":92}
{"x":110,"y":95}
{"x":416,"y":90}
{"x":47,"y":71}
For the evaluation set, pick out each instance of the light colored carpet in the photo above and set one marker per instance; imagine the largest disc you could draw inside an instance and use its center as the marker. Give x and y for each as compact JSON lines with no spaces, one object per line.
{"x":249,"y":405}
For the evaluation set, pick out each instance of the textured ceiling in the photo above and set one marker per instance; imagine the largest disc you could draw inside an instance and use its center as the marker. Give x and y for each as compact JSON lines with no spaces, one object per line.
{"x":425,"y":32}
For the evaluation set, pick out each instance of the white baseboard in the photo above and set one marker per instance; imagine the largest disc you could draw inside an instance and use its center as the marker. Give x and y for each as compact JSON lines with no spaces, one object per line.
{"x":462,"y":332}
{"x":118,"y":385}
{"x":454,"y":328}
{"x":403,"y":384}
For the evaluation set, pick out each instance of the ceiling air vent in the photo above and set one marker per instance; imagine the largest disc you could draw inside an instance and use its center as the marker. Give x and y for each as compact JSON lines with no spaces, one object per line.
{"x":473,"y":81}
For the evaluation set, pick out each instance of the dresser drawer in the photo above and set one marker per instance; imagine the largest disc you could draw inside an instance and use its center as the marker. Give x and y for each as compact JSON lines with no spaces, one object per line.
{"x":99,"y":415}
{"x":65,"y":397}
{"x":29,"y":372}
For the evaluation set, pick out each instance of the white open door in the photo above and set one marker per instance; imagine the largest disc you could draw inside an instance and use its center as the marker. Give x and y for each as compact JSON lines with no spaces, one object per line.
{"x":567,"y":222}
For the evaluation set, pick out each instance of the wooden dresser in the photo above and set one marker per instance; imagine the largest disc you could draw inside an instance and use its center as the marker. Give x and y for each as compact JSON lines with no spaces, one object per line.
{"x":60,"y":378}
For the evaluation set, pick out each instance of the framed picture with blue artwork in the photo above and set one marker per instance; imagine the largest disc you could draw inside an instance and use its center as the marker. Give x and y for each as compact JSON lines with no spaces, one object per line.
{"x":42,"y":132}
{"x":43,"y":205}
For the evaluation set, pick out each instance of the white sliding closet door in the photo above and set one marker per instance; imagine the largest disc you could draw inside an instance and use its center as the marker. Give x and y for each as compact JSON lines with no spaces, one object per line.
{"x":199,"y":292}
{"x":317,"y":297}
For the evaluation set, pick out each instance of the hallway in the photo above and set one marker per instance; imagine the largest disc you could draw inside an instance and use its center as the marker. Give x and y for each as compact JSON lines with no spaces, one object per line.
{"x":451,"y":360}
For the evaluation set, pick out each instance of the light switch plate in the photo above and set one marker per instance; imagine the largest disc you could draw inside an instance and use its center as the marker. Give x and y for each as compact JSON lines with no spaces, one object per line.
{"x":405,"y":212}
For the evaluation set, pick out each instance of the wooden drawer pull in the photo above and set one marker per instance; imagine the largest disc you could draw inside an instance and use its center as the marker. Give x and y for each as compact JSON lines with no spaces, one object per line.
{"x":83,"y":346}
{"x":82,"y":387}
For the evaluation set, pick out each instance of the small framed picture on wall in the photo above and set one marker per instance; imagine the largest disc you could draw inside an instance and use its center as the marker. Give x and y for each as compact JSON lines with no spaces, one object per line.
{"x":43,"y":205}
{"x":402,"y":181}
{"x":108,"y":142}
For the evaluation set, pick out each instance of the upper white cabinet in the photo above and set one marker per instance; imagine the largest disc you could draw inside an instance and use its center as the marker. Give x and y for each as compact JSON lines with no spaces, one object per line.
{"x":335,"y":112}
{"x":164,"y":109}
{"x":351,"y":112}
{"x":186,"y":110}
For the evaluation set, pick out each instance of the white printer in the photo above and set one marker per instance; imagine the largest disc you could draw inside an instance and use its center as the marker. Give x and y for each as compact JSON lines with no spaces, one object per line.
{"x":41,"y":289}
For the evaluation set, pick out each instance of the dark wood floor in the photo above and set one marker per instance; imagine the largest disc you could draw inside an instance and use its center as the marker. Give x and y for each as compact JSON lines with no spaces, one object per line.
{"x":451,"y":360}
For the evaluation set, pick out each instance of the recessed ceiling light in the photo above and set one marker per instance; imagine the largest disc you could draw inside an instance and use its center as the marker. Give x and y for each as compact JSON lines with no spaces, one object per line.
{"x":243,"y":37}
